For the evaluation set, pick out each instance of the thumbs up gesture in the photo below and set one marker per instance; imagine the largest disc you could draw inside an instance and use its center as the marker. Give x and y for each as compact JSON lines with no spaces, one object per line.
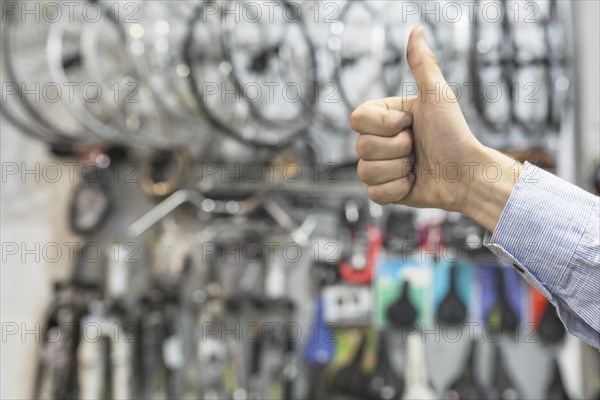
{"x":420,"y":152}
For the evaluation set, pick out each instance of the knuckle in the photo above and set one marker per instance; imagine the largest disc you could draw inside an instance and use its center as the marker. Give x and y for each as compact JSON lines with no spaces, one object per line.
{"x":355,"y":118}
{"x":405,"y":142}
{"x":388,"y":122}
{"x":377,"y":195}
{"x":388,"y":194}
{"x":404,"y":187}
{"x":404,"y":168}
{"x":364,"y":147}
{"x":365,"y":172}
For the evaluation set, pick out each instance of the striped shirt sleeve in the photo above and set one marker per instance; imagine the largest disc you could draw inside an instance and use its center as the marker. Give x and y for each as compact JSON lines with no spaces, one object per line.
{"x":550,"y":232}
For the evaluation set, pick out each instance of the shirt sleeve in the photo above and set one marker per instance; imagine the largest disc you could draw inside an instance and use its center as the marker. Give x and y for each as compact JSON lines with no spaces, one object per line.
{"x":550,"y":232}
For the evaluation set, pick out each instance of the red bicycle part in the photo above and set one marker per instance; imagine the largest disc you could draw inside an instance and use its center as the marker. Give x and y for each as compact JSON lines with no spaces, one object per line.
{"x":361,"y":276}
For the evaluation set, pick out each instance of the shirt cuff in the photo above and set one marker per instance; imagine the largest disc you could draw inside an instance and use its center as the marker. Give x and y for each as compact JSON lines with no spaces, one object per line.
{"x":543,"y":232}
{"x":541,"y":225}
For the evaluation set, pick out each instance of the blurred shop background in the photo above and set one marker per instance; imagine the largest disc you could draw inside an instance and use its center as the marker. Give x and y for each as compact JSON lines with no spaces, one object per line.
{"x":181,"y":216}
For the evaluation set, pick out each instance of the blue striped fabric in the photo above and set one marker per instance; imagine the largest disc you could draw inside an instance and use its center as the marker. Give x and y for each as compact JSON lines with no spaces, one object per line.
{"x":550,"y":232}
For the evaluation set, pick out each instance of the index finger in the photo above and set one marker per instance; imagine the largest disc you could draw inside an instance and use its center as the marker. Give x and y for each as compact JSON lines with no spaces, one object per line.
{"x":400,"y":103}
{"x":371,"y":119}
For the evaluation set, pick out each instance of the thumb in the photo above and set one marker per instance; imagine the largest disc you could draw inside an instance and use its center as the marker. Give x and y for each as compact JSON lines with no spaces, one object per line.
{"x":422,"y":62}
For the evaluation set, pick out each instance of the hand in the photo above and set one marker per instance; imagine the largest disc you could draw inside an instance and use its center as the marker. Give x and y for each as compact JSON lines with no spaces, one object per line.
{"x":420,"y":151}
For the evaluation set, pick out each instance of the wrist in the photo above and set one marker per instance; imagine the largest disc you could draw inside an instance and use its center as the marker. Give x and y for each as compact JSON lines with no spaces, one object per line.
{"x":488,"y":188}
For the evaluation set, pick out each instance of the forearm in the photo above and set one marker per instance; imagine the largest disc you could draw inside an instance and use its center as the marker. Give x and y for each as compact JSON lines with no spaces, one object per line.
{"x":488,"y":188}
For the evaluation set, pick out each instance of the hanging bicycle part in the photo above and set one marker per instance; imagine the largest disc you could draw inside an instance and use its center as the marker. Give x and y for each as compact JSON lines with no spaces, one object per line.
{"x":384,"y":383}
{"x":318,"y":354}
{"x":56,"y":372}
{"x":556,"y":389}
{"x":503,"y":312}
{"x":466,"y":386}
{"x":402,"y":311}
{"x":415,"y":371}
{"x":350,"y":379}
{"x":163,"y":172}
{"x":452,"y":309}
{"x":36,"y":112}
{"x":227,"y":65}
{"x":509,"y":61}
{"x":365,"y":243}
{"x":551,"y":328}
{"x":91,"y":201}
{"x":502,"y":386}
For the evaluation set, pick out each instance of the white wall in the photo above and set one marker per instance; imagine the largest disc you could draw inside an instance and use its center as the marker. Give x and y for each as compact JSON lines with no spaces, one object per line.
{"x":586,"y":14}
{"x":32,"y":214}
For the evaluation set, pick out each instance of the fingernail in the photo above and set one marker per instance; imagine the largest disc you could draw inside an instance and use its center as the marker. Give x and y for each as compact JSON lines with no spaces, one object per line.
{"x":423,"y":31}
